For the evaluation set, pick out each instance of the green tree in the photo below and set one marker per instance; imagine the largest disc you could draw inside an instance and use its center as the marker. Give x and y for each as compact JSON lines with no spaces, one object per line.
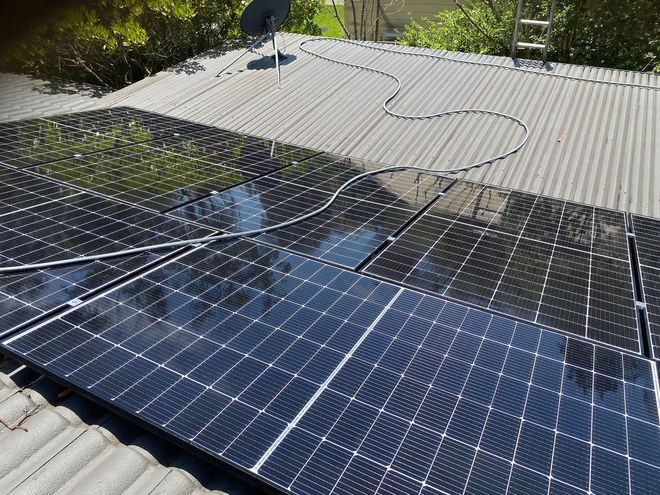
{"x":117,"y":42}
{"x":610,"y":33}
{"x":301,"y":18}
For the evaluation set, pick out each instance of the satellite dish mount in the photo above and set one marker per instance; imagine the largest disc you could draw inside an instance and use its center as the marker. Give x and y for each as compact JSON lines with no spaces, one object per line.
{"x":262,"y":18}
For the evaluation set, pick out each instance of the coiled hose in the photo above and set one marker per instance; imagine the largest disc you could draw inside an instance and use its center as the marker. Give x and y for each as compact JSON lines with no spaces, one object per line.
{"x":347,"y":184}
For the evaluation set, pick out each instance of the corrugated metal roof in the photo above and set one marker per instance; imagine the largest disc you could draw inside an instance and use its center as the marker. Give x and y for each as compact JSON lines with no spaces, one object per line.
{"x":589,"y":142}
{"x":23,"y":96}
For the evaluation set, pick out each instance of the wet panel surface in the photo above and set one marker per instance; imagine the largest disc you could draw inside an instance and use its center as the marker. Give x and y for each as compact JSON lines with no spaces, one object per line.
{"x":560,"y":264}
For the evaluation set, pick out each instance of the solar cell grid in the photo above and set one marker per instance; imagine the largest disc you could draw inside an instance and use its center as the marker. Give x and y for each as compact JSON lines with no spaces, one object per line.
{"x":362,"y":217}
{"x":20,"y":191}
{"x":132,"y":124}
{"x":647,"y":240}
{"x":32,"y":142}
{"x":498,"y":405}
{"x":559,"y":264}
{"x":168,"y":343}
{"x":320,"y":380}
{"x":215,"y":145}
{"x":167,"y":173}
{"x":59,"y":223}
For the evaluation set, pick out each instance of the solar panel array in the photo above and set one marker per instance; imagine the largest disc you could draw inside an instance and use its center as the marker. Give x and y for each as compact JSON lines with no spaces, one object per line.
{"x":320,"y":380}
{"x":356,"y":224}
{"x":647,"y":239}
{"x":31,"y":142}
{"x":164,"y":174}
{"x":131,"y":124}
{"x":42,"y":221}
{"x":560,"y":264}
{"x":314,"y":378}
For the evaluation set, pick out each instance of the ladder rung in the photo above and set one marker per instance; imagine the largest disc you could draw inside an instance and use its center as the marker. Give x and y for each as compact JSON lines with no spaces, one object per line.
{"x":532,"y":22}
{"x":536,"y":46}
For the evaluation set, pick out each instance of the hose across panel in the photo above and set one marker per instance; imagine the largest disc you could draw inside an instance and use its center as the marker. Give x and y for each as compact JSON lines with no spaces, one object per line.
{"x":343,"y":187}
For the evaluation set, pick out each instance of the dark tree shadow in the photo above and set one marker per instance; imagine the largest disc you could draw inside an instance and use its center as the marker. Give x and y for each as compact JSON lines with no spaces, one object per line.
{"x":226,"y":47}
{"x":189,"y":67}
{"x":62,"y":87}
{"x":193,"y":65}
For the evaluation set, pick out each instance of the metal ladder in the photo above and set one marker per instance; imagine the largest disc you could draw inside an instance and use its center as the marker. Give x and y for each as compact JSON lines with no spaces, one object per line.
{"x":531,"y":22}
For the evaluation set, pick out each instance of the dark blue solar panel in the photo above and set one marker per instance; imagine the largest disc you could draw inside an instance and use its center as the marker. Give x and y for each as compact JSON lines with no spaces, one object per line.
{"x":559,"y":264}
{"x":168,"y":172}
{"x":133,"y":124}
{"x":473,"y":422}
{"x":361,"y":219}
{"x":214,"y":329}
{"x":647,"y":240}
{"x":31,"y":142}
{"x":319,"y":380}
{"x":43,"y":221}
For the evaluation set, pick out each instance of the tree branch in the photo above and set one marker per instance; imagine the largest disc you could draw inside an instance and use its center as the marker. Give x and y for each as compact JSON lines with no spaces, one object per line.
{"x":336,"y":16}
{"x":363,"y":11}
{"x":355,"y":24}
{"x":479,"y":28}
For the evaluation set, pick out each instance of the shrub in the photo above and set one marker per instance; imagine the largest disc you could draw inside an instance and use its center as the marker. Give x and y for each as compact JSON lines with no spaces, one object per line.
{"x":117,"y":42}
{"x":623,"y":35}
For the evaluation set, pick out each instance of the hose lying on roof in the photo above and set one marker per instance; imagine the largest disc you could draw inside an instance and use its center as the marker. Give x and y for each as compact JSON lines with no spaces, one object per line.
{"x":327,"y":204}
{"x":528,"y":70}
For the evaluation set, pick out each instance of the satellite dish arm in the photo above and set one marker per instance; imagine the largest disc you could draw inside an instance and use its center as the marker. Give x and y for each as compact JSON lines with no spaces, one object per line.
{"x":271,"y":28}
{"x":249,"y":49}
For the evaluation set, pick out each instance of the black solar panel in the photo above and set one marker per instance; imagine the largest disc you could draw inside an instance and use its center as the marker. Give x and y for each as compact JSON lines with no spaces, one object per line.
{"x":359,"y":221}
{"x":166,"y":173}
{"x":313,"y":378}
{"x":131,"y":124}
{"x":20,"y":191}
{"x":43,"y":221}
{"x":470,"y":403}
{"x":647,"y":240}
{"x":559,"y":264}
{"x":32,"y":142}
{"x":320,"y":380}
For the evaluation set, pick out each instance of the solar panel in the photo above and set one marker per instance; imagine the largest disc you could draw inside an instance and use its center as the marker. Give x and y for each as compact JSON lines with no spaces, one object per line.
{"x":320,"y":380}
{"x":470,"y":403}
{"x":551,"y":262}
{"x":647,"y":240}
{"x":43,"y":221}
{"x":359,"y":221}
{"x":164,"y":174}
{"x":131,"y":124}
{"x":21,"y":191}
{"x":32,"y":142}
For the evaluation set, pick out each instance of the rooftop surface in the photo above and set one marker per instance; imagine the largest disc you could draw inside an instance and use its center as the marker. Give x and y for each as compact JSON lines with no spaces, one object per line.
{"x":579,"y":131}
{"x":26,"y":96}
{"x":597,"y":127}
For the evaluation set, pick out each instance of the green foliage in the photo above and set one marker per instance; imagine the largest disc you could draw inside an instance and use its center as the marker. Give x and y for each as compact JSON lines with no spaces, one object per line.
{"x":451,"y":30}
{"x":326,"y":18}
{"x":117,"y":42}
{"x":594,"y":32}
{"x":302,"y":18}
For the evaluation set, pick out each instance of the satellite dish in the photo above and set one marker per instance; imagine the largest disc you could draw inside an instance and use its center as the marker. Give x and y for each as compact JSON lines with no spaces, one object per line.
{"x":254,"y":20}
{"x":262,"y":18}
